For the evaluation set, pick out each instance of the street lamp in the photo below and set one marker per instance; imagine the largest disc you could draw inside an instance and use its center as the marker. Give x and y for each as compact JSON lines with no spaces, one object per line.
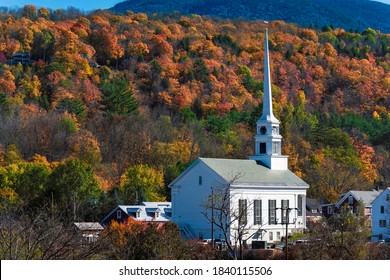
{"x":287,"y":222}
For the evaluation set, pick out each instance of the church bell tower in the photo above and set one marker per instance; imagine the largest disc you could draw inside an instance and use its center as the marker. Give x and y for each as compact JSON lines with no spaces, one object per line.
{"x":268,"y":140}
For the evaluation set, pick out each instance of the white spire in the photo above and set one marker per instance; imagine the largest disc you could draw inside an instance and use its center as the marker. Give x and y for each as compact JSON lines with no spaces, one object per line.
{"x":267,"y":99}
{"x":268,"y":141}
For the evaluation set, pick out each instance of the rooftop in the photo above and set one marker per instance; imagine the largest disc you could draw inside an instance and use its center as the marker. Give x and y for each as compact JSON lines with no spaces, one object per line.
{"x":88,"y":226}
{"x":252,"y":172}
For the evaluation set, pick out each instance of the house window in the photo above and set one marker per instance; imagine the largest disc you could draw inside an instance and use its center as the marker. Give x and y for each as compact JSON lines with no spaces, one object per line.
{"x":387,"y":197}
{"x":272,"y":212}
{"x":271,"y":236}
{"x":263,"y":148}
{"x":278,"y":235}
{"x":257,"y":212}
{"x":350,"y":199}
{"x":382,"y":223}
{"x":285,"y":204}
{"x":242,"y":214}
{"x":138,"y":214}
{"x":118,"y":214}
{"x":300,"y":205}
{"x":330,"y":210}
{"x":200,"y":180}
{"x":382,"y":209}
{"x":275,"y":148}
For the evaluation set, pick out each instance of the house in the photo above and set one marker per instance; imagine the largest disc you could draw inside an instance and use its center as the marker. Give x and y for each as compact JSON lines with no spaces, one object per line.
{"x":147,"y":211}
{"x":313,"y":210}
{"x":20,"y":57}
{"x":381,"y":216}
{"x":353,"y":200}
{"x":88,"y":232}
{"x":261,"y":196}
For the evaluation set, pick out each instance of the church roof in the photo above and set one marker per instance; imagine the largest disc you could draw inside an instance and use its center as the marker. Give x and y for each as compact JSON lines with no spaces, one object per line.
{"x":252,"y":172}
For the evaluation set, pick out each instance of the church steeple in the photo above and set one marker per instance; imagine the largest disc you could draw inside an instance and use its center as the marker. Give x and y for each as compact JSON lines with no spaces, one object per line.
{"x":268,"y":114}
{"x":268,"y":140}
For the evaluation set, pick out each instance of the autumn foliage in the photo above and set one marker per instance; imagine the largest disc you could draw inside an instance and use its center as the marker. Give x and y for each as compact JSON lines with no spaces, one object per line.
{"x":145,"y":96}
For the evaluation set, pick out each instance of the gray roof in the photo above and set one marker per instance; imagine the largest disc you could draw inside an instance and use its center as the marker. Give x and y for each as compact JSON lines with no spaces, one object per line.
{"x":367,"y":197}
{"x":252,"y":172}
{"x":313,"y":204}
{"x":88,"y":226}
{"x":144,"y":209}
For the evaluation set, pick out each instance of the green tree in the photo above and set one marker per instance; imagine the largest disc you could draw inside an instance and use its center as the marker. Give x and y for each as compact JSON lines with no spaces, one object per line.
{"x":27,"y":179}
{"x":73,"y":106}
{"x":118,"y":99}
{"x":142,"y":183}
{"x":73,"y":187}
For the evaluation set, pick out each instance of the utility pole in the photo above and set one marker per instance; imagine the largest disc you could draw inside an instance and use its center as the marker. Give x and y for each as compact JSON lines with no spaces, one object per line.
{"x":212,"y":217}
{"x":287,"y":220}
{"x":287,"y":211}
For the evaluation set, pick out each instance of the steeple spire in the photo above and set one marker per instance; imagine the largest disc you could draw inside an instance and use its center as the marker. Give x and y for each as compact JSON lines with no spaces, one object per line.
{"x":267,"y":99}
{"x":268,"y":141}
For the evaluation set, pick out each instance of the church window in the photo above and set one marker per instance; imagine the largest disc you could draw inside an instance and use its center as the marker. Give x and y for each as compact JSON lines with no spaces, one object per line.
{"x":275,"y":148}
{"x":200,"y":180}
{"x":274,"y":130}
{"x":263,"y":148}
{"x":272,"y":212}
{"x":242,"y":211}
{"x":285,"y":204}
{"x":300,"y":205}
{"x":382,"y":209}
{"x":257,"y":212}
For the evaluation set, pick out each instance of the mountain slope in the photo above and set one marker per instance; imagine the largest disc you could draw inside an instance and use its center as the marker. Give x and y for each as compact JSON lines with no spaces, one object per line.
{"x":348,"y":14}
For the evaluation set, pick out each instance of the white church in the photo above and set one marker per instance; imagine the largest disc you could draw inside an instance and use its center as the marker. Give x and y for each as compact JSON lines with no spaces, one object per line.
{"x":248,"y":200}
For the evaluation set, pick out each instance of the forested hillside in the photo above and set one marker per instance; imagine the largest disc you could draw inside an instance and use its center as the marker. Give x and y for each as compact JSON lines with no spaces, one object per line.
{"x":347,"y":14}
{"x":113,"y":107}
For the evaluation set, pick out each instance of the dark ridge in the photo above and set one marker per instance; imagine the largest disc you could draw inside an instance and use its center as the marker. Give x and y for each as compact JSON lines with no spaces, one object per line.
{"x":347,"y":14}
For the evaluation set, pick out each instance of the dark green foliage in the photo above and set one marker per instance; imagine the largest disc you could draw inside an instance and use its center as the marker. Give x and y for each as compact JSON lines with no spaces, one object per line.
{"x":187,"y":114}
{"x":44,"y":101}
{"x":69,"y":125}
{"x":255,"y":87}
{"x":73,"y":188}
{"x":73,"y":106}
{"x":3,"y":98}
{"x":29,"y":183}
{"x":185,"y":43}
{"x":226,"y":41}
{"x":218,"y":124}
{"x":118,"y":99}
{"x":55,"y":66}
{"x":201,"y":71}
{"x":378,"y":130}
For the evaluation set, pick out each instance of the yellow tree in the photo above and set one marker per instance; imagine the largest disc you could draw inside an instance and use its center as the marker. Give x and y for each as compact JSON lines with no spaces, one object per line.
{"x":142,"y":183}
